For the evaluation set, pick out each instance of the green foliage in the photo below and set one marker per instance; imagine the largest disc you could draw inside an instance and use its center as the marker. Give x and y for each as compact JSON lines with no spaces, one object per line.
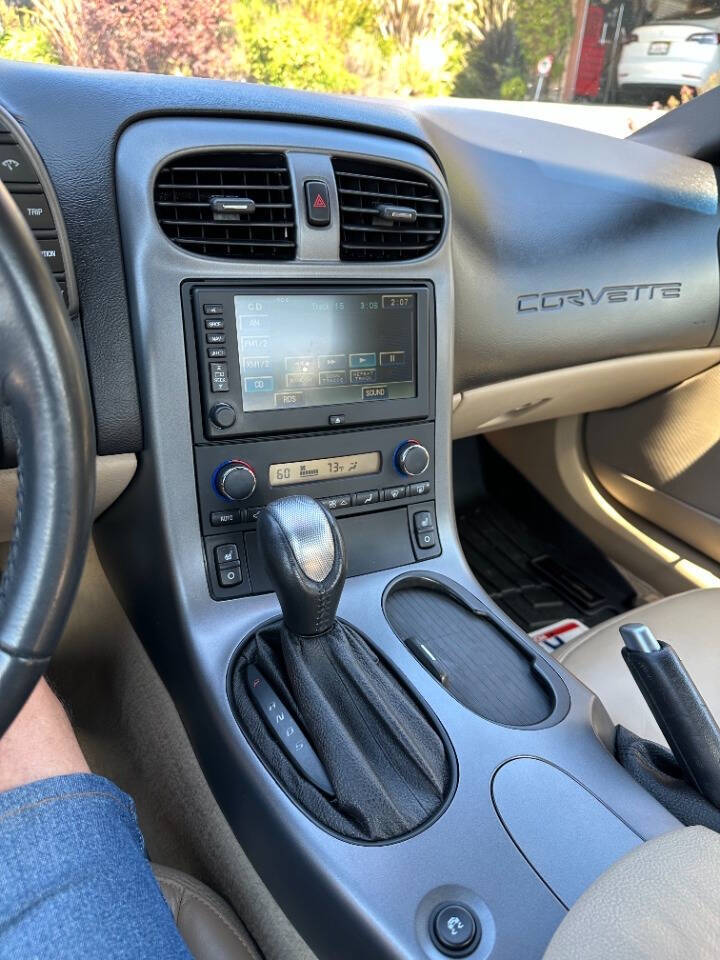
{"x":490,"y":63}
{"x":378,"y":48}
{"x":21,"y":36}
{"x":471,"y":48}
{"x":297,"y":43}
{"x":513,"y":89}
{"x":543,"y":27}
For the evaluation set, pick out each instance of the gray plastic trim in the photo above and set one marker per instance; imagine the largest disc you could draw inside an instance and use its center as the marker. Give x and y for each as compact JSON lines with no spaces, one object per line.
{"x":370,"y":898}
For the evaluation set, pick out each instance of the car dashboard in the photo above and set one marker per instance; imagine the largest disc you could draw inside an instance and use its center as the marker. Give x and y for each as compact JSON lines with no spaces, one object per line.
{"x":279,"y":294}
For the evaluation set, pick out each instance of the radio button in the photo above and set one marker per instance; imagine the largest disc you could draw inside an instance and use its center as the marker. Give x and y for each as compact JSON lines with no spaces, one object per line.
{"x":211,"y":309}
{"x":365,"y":498}
{"x":219,"y":378}
{"x":216,"y":352}
{"x":223,"y":415}
{"x":215,"y":338}
{"x":286,"y":400}
{"x":393,"y":493}
{"x":375,"y":393}
{"x":215,"y":324}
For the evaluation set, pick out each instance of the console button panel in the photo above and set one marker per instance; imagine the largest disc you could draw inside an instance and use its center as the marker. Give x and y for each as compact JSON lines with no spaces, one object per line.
{"x":386,"y":520}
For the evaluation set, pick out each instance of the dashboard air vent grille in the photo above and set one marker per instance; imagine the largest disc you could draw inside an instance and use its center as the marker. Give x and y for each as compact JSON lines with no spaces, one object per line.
{"x":236,"y":206}
{"x":386,"y":212}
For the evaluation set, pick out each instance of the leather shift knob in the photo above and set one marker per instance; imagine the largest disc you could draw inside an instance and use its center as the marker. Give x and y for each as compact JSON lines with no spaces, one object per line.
{"x":305,"y":558}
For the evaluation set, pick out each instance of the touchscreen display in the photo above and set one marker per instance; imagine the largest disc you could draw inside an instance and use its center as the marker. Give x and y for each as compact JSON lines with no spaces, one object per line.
{"x":324,"y":349}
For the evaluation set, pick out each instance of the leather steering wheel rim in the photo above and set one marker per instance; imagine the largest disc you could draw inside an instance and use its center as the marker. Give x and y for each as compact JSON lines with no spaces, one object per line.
{"x":43,"y":382}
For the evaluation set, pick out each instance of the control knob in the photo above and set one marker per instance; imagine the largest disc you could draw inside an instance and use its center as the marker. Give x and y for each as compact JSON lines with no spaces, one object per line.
{"x":412,"y":458}
{"x":223,"y":415}
{"x":235,"y":480}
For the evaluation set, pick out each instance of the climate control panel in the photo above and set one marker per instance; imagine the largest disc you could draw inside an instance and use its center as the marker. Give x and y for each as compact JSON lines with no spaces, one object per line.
{"x":383,"y":477}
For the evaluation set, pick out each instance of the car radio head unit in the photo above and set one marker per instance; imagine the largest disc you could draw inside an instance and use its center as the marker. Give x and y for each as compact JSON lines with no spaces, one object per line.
{"x":321,"y":349}
{"x":275,"y":359}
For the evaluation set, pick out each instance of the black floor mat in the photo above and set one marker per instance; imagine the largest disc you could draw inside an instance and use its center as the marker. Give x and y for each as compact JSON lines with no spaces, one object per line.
{"x":533,"y":563}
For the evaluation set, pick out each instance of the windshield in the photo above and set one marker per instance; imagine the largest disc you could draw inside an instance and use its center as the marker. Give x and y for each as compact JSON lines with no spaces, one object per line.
{"x":557,"y":58}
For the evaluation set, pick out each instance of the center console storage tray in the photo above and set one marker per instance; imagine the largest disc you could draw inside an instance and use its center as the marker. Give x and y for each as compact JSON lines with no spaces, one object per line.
{"x":481,"y":661}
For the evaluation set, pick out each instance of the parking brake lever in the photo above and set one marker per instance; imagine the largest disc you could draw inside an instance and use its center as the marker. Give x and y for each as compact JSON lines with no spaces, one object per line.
{"x":675,"y":702}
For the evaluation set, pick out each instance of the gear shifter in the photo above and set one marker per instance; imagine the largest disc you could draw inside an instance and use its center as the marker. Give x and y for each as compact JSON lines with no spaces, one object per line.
{"x":305,"y":558}
{"x":386,"y":765}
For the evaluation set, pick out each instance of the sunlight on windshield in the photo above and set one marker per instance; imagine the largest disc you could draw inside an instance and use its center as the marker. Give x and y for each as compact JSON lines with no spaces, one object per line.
{"x":645,"y":54}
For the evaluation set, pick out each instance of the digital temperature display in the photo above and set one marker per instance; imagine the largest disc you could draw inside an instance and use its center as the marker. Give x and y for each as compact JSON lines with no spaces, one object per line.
{"x":328,"y":468}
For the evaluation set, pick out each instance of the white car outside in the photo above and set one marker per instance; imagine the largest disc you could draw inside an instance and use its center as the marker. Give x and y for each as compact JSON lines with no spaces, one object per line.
{"x":665,"y":55}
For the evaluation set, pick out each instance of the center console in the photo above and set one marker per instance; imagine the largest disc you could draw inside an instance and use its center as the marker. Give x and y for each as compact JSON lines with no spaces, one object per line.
{"x":329,"y":377}
{"x":316,"y":389}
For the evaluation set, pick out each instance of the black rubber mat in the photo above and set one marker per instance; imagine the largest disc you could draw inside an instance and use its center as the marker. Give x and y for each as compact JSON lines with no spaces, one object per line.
{"x":486,"y":671}
{"x":536,"y":566}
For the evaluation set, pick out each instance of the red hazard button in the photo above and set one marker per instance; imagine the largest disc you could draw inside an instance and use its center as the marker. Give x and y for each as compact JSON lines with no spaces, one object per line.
{"x":317,"y":203}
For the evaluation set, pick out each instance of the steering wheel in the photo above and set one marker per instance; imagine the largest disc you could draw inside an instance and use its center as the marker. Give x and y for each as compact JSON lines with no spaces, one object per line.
{"x":43,"y":382}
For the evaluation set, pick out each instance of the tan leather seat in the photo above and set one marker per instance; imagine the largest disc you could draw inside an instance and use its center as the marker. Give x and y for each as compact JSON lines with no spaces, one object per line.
{"x":659,"y":902}
{"x":689,"y":621}
{"x":208,"y":925}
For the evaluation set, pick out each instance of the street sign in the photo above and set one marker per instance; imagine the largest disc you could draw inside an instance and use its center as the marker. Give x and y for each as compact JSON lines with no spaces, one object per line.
{"x":545,"y":65}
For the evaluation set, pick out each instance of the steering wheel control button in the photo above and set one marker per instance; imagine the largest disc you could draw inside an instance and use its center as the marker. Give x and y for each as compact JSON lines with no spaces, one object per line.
{"x":317,"y":203}
{"x":412,"y":458}
{"x":223,"y":415}
{"x":226,"y":554}
{"x":235,"y":480}
{"x":230,"y":576}
{"x":284,"y":728}
{"x":455,"y":930}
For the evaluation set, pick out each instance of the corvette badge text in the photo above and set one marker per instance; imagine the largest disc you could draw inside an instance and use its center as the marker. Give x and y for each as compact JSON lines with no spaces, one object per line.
{"x":620,"y":293}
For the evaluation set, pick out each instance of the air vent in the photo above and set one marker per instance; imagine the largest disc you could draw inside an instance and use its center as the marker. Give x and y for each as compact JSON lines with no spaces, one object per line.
{"x":386,"y":212}
{"x":237,"y":206}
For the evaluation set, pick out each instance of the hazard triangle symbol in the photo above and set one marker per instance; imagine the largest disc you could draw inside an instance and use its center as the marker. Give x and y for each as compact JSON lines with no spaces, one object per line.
{"x":319,"y":203}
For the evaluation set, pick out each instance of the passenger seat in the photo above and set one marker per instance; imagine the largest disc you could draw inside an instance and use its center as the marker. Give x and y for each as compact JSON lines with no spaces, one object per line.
{"x":690,"y":622}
